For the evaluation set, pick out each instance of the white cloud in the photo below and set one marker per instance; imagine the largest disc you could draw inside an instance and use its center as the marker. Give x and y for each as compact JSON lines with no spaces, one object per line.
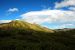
{"x":13,"y":9}
{"x":5,"y":21}
{"x":65,"y":3}
{"x":49,"y":16}
{"x":67,"y":26}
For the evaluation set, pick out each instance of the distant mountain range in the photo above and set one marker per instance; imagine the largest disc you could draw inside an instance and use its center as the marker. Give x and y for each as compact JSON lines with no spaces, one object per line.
{"x":65,"y":29}
{"x":19,"y":35}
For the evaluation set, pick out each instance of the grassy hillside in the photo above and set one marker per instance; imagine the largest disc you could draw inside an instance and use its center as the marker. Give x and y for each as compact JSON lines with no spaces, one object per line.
{"x":24,"y":25}
{"x":18,"y":35}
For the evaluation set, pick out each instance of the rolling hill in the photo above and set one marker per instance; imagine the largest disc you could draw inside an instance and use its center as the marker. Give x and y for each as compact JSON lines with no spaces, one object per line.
{"x":19,"y":35}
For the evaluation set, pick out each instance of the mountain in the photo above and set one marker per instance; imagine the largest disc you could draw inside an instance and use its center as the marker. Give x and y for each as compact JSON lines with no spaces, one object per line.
{"x":19,"y":35}
{"x":24,"y":25}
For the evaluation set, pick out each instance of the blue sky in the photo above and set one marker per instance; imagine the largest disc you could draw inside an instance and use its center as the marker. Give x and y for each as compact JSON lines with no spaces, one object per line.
{"x":48,"y":13}
{"x":24,"y":6}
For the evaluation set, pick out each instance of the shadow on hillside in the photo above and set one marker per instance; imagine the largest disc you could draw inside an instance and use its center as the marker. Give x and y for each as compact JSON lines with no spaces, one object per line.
{"x":19,"y":39}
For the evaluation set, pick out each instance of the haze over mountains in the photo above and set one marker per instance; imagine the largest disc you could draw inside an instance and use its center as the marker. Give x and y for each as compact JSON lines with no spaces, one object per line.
{"x":19,"y":35}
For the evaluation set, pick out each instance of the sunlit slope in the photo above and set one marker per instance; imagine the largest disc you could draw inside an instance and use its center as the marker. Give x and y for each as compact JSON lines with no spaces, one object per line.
{"x":24,"y":25}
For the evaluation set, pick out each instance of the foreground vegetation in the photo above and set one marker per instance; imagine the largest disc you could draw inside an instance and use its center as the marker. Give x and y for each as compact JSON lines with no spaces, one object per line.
{"x":20,"y":37}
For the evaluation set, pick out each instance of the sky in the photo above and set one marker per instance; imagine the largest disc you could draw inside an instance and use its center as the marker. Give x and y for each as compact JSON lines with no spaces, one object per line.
{"x":52,"y":14}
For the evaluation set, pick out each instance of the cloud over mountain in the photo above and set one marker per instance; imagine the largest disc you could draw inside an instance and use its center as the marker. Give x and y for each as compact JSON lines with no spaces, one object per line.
{"x":49,"y":16}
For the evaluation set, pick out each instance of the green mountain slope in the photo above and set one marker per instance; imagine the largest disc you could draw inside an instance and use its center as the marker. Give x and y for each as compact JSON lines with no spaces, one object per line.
{"x":19,"y":35}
